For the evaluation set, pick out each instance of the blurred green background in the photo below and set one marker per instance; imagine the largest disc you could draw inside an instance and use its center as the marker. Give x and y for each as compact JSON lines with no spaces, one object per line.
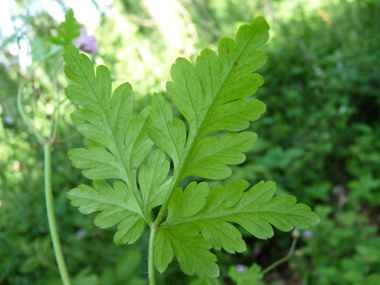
{"x":318,"y":140}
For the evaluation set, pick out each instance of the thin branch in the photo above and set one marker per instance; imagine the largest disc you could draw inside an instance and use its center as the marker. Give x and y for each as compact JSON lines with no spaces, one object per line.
{"x":51,"y":216}
{"x":282,"y":260}
{"x":20,"y":108}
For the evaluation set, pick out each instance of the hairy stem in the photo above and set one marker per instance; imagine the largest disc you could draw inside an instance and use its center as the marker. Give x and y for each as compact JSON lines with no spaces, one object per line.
{"x":153,"y":230}
{"x":51,"y":217}
{"x":282,"y":260}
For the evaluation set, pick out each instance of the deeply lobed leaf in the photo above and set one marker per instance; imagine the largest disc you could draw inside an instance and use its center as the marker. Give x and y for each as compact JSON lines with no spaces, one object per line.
{"x":107,"y":118}
{"x":116,"y":205}
{"x":212,"y":213}
{"x":210,"y":97}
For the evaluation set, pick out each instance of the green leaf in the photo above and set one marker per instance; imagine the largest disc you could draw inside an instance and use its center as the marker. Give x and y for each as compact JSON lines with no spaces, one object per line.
{"x":68,"y":31}
{"x":210,"y":97}
{"x":116,"y":205}
{"x":187,"y":203}
{"x":128,"y":263}
{"x":211,"y":155}
{"x":190,"y":248}
{"x":163,"y":251}
{"x":152,"y":174}
{"x":167,"y":133}
{"x":43,"y":51}
{"x":222,"y":235}
{"x":107,"y":118}
{"x":249,"y":276}
{"x":211,"y":212}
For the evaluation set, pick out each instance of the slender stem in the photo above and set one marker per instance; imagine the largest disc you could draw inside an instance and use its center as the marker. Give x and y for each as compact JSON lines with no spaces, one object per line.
{"x":282,"y":260}
{"x":154,"y":228}
{"x":152,"y":279}
{"x":192,"y":142}
{"x":51,"y":217}
{"x":23,"y":115}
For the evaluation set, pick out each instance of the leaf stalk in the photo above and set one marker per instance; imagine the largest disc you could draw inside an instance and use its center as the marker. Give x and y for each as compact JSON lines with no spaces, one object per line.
{"x":23,"y":115}
{"x":282,"y":260}
{"x":151,"y":273}
{"x":51,"y":216}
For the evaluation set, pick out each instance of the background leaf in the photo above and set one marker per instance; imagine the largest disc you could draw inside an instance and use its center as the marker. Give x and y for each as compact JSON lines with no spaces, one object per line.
{"x":68,"y":31}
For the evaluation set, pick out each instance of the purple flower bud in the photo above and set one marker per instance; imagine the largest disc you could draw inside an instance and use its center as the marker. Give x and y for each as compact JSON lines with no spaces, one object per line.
{"x":308,"y":234}
{"x":256,"y":251}
{"x":240,"y":268}
{"x":81,"y":233}
{"x":85,"y":42}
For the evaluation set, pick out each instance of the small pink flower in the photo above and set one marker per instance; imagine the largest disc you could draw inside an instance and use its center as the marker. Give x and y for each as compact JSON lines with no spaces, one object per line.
{"x":308,"y":234}
{"x":240,"y":268}
{"x":85,"y":42}
{"x":81,"y":233}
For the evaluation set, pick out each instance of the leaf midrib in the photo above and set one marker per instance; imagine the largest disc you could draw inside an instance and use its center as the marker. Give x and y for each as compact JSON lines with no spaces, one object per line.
{"x":189,"y":150}
{"x":224,"y":217}
{"x":137,"y":196}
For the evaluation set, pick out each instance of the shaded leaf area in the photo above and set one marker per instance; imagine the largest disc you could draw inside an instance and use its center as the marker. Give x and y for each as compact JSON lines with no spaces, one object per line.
{"x":209,"y":214}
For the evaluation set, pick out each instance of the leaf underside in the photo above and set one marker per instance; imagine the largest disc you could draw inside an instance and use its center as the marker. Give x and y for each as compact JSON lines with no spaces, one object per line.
{"x":212,"y":96}
{"x":211,"y":213}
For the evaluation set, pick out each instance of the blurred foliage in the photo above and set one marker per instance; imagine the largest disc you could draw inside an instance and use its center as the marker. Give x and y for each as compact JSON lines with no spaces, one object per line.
{"x":317,"y":141}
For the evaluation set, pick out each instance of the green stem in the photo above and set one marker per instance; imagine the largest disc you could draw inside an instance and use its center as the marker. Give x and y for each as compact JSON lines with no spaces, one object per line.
{"x":23,"y":115}
{"x":153,"y":230}
{"x":51,"y":217}
{"x":282,"y":260}
{"x":157,"y":223}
